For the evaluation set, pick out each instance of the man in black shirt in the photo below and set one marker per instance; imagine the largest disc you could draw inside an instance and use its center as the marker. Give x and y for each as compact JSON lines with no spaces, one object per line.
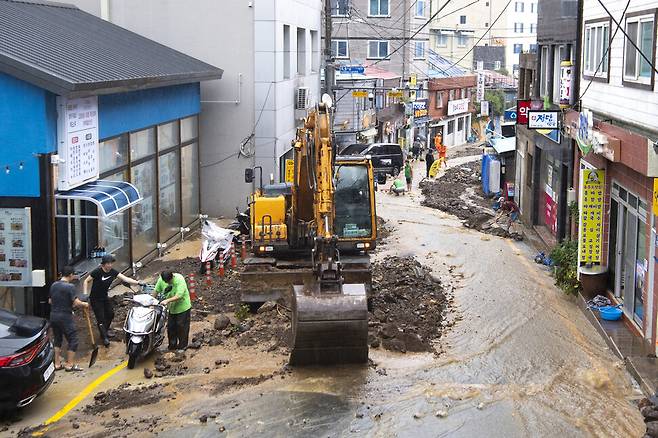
{"x":101,"y":279}
{"x":63,"y":298}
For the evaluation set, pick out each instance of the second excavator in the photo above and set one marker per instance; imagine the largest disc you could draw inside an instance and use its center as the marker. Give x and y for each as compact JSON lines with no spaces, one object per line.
{"x":310,"y":239}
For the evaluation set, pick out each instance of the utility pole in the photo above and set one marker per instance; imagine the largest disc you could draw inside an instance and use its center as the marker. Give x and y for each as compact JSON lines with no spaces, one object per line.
{"x":328,"y":61}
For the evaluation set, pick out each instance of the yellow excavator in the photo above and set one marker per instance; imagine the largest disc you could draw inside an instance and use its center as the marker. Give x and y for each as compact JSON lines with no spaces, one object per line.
{"x":310,"y":240}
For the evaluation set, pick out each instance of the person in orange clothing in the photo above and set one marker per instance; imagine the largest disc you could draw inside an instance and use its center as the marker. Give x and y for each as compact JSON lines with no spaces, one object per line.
{"x":442,"y":150}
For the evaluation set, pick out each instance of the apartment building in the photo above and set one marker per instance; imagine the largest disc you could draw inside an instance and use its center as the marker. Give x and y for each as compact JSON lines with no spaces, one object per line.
{"x":490,"y":24}
{"x":271,"y":50}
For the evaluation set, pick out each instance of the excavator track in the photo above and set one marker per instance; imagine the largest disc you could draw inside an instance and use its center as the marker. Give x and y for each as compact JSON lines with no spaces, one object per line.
{"x":329,"y":327}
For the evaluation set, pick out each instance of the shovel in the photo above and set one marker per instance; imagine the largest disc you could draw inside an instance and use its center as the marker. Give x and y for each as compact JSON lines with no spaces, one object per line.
{"x":94,"y":352}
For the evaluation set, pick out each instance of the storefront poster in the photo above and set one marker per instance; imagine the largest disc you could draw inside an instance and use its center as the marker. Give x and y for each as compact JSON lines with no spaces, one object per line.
{"x":550,"y":213}
{"x":77,"y":133}
{"x":15,"y":247}
{"x":591,"y":216}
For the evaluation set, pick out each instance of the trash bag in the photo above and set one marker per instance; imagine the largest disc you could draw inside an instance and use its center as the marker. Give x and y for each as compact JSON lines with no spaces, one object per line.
{"x":216,"y":241}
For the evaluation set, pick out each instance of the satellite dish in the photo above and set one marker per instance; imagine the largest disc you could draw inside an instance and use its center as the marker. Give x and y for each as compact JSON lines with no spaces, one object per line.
{"x":327,"y":100}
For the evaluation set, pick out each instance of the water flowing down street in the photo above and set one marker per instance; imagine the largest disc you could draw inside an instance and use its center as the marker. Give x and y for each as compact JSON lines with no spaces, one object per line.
{"x":517,"y":358}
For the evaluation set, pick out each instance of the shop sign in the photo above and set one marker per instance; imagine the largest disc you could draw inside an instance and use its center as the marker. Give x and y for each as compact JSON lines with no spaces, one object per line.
{"x":457,"y":106}
{"x":290,"y":171}
{"x":77,"y":139}
{"x":484,"y":108}
{"x":591,"y":216}
{"x":359,"y":94}
{"x":584,"y":135}
{"x":522,"y":108}
{"x":566,"y":84}
{"x":413,"y":79}
{"x":551,"y":134}
{"x":420,"y":109}
{"x":15,"y":247}
{"x":352,"y":69}
{"x":510,"y":115}
{"x":396,"y":94}
{"x":543,"y":119}
{"x":480,"y":87}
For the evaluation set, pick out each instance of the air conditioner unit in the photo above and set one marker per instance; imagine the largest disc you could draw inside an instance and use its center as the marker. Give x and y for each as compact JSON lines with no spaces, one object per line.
{"x":301,"y":98}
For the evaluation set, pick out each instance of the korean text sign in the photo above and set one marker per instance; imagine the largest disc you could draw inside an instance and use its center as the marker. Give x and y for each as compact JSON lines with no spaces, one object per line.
{"x":77,"y":131}
{"x":543,"y":119}
{"x":522,"y":108}
{"x":591,"y":216}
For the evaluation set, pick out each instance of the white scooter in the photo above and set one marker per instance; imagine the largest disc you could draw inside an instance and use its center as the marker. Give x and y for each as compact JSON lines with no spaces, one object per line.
{"x":144,"y":327}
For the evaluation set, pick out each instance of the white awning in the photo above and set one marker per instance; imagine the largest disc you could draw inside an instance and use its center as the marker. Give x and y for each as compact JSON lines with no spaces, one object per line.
{"x":502,"y":145}
{"x":111,"y":197}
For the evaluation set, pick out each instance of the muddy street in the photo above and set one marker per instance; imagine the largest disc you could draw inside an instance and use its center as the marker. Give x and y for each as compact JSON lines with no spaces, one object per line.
{"x":468,"y":338}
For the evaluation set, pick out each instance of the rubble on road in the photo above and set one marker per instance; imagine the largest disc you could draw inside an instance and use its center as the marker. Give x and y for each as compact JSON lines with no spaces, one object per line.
{"x":408,"y":305}
{"x":458,"y":192}
{"x":649,"y":410}
{"x":383,"y":231}
{"x":124,"y":397}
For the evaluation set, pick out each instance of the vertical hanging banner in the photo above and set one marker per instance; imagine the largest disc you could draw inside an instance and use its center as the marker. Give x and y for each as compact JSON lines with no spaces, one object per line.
{"x":566,"y":84}
{"x":77,"y":141}
{"x":522,"y":108}
{"x":591,"y":216}
{"x":290,"y":171}
{"x":484,"y":108}
{"x":655,"y":196}
{"x":480,"y":87}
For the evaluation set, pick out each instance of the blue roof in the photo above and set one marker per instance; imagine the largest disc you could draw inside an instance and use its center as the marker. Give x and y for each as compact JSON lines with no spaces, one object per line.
{"x":440,"y":67}
{"x":111,"y":197}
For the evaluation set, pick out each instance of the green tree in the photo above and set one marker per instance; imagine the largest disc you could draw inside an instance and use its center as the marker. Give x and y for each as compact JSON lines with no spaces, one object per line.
{"x":496,"y":100}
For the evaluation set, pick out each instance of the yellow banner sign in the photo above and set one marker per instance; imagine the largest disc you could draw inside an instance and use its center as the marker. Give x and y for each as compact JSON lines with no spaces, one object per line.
{"x":591,"y":216}
{"x":397,"y":94}
{"x":413,"y":78}
{"x":655,"y":198}
{"x":359,"y":94}
{"x":290,"y":171}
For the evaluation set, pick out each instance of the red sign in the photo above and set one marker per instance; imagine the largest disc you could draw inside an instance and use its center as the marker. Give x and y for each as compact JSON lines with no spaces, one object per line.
{"x":522,"y":107}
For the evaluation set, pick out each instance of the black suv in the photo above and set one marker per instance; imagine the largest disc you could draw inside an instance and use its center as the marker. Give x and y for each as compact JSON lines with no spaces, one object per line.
{"x":387,"y":158}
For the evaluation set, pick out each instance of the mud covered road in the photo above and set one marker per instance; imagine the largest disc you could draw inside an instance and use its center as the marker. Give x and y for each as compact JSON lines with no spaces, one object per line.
{"x":502,"y":354}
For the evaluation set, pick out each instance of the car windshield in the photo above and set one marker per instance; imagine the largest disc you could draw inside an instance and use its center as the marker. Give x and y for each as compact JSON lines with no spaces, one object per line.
{"x":352,"y":198}
{"x":353,"y":149}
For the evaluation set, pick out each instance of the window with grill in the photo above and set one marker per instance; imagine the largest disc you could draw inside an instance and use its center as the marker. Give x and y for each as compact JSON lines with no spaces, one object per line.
{"x":595,"y":59}
{"x":642,"y":32}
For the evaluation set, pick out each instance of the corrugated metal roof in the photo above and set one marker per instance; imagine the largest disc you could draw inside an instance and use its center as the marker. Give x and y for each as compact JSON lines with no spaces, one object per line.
{"x":440,"y":67}
{"x":70,"y":52}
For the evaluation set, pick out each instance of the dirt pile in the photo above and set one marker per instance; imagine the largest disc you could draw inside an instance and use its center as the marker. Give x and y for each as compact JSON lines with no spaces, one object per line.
{"x":459,"y":192}
{"x":124,"y":397}
{"x":466,"y":151}
{"x":408,"y":305}
{"x":383,"y":231}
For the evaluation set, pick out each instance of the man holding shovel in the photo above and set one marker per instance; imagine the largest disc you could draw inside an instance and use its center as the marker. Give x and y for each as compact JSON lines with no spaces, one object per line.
{"x":101,"y":279}
{"x":63,"y":298}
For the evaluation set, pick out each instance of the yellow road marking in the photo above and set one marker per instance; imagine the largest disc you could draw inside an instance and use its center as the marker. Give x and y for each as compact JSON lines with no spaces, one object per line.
{"x":81,"y":396}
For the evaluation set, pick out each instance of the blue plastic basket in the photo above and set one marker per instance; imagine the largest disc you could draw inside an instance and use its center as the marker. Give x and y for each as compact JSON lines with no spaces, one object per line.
{"x":610,"y":313}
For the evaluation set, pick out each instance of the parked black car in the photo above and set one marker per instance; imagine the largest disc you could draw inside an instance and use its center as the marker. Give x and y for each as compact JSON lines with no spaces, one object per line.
{"x":26,"y":359}
{"x":387,"y":158}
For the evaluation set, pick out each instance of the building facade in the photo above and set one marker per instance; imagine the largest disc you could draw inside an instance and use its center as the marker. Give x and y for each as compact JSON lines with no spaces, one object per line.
{"x":250,"y":117}
{"x":545,"y":157}
{"x":99,"y":155}
{"x":450,"y":108}
{"x":616,"y":131}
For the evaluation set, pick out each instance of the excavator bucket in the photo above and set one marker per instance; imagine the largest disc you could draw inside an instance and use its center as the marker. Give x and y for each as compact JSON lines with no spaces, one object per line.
{"x":329,"y":327}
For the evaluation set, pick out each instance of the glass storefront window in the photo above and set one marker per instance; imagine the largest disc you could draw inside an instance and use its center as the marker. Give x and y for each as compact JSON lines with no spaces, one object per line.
{"x":113,"y":153}
{"x":190,"y":183}
{"x":169,"y":212}
{"x":168,"y":135}
{"x":189,"y":129}
{"x":144,"y":224}
{"x":142,"y":144}
{"x":113,"y":232}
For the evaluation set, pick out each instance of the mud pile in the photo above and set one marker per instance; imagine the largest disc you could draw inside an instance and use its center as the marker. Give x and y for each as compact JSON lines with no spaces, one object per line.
{"x":383,"y":231}
{"x":408,"y":305}
{"x":124,"y":397}
{"x":466,"y":151}
{"x":649,"y":411}
{"x":459,"y":192}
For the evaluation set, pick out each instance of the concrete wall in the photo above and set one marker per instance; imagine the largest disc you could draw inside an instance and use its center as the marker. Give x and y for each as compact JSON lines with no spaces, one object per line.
{"x":558,"y":21}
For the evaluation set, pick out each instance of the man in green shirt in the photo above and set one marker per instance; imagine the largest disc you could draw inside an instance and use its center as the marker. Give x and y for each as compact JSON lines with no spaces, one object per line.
{"x":397,"y":187}
{"x":177,"y":301}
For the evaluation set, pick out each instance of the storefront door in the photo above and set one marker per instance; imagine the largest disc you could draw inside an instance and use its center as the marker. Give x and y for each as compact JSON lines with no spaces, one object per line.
{"x":628,"y":263}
